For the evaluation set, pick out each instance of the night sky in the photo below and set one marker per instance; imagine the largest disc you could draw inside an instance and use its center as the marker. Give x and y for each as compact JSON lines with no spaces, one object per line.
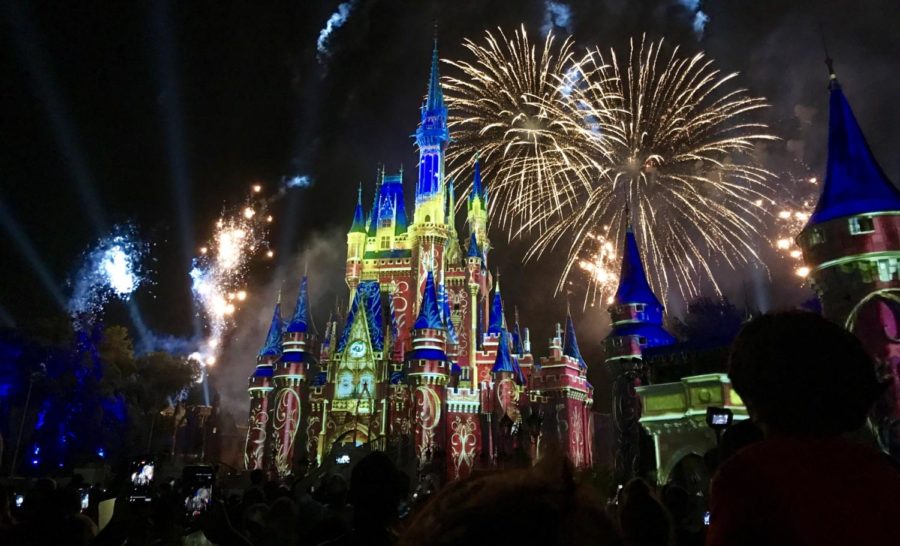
{"x":161,"y":113}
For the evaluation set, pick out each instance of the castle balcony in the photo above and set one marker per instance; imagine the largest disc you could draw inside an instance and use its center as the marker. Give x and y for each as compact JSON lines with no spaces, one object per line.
{"x":361,"y":406}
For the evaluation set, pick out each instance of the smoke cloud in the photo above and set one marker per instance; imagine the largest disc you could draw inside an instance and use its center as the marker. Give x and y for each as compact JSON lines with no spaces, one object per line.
{"x":323,"y":261}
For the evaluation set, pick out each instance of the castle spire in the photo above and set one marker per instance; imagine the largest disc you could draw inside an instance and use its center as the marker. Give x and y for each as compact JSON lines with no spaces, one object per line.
{"x":429,"y":312}
{"x":435,"y":99}
{"x":854,"y":182}
{"x":359,"y":219}
{"x":477,"y":186}
{"x":300,"y":320}
{"x":272,"y":346}
{"x":570,"y":344}
{"x":497,"y":320}
{"x":633,"y":284}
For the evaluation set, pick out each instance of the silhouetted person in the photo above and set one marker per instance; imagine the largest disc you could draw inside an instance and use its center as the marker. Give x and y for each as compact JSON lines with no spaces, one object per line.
{"x":807,"y":383}
{"x":643,"y":519}
{"x":542,"y":506}
{"x":686,"y":513}
{"x":376,"y":490}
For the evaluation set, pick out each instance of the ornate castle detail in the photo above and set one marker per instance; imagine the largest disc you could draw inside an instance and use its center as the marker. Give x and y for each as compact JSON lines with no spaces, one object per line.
{"x":424,"y":366}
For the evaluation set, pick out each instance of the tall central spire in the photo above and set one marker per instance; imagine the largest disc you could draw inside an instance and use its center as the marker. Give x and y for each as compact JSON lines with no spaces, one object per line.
{"x":432,"y":136}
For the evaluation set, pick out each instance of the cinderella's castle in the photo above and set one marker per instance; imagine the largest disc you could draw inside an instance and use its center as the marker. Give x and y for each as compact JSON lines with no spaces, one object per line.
{"x":425,"y":364}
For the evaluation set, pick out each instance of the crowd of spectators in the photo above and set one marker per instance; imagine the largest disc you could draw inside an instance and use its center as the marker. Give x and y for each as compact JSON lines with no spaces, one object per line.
{"x":795,"y":474}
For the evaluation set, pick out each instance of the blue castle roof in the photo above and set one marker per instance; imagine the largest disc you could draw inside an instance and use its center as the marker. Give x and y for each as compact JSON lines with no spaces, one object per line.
{"x":429,"y":312}
{"x":433,"y":128}
{"x":367,"y":300}
{"x":496,"y":318}
{"x":389,"y":205}
{"x":359,"y":219}
{"x":504,"y":361}
{"x":474,"y":251}
{"x":300,"y":320}
{"x":854,"y":182}
{"x":477,"y":186}
{"x":272,"y":346}
{"x":633,"y":285}
{"x":570,"y":345}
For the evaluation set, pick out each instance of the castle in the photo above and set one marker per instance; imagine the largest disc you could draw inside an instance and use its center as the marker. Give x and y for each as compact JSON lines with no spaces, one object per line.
{"x":425,"y":364}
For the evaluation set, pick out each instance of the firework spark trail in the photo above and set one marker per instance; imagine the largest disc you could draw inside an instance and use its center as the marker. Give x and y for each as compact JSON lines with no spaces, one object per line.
{"x":532,"y":159}
{"x":791,"y":213}
{"x":662,"y":132}
{"x":218,"y":275}
{"x":111,"y":269}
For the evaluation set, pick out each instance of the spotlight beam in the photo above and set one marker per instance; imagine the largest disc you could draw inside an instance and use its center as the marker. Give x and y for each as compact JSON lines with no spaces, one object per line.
{"x":167,"y":78}
{"x":24,"y":245}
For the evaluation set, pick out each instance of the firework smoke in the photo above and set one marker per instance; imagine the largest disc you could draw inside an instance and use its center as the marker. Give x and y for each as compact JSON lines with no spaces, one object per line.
{"x":337,"y":20}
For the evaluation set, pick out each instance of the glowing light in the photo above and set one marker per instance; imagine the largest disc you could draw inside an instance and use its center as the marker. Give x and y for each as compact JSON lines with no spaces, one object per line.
{"x":298,"y":181}
{"x":802,"y":271}
{"x":218,"y":274}
{"x":270,"y":253}
{"x":111,"y":269}
{"x":567,"y":143}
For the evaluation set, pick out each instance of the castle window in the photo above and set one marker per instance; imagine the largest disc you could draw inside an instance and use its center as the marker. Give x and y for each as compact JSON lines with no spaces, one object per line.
{"x":642,"y":341}
{"x":386,"y":242}
{"x":427,"y":218}
{"x":860,"y":225}
{"x":815,"y":237}
{"x":386,"y":222}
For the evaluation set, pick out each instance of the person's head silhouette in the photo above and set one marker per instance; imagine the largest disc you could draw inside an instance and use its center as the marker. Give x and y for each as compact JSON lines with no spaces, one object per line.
{"x":801,"y":375}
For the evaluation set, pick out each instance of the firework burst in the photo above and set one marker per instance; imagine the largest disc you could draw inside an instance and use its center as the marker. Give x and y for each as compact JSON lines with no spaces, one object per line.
{"x":219,"y":272}
{"x":111,"y":269}
{"x":791,"y":215}
{"x":659,"y":131}
{"x":536,"y":161}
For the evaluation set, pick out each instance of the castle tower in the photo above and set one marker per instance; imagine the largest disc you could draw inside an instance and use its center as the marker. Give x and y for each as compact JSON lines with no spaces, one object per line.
{"x":432,"y":136}
{"x":637,"y":318}
{"x":261,"y":385}
{"x":356,"y":246}
{"x":476,"y":210}
{"x":428,"y":371}
{"x":507,"y":384}
{"x":291,"y":377}
{"x":851,"y":245}
{"x":564,"y":397}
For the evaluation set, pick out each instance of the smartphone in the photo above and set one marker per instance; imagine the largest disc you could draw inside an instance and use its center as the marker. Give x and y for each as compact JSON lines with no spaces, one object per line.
{"x":706,"y":518}
{"x":198,"y":481}
{"x":85,"y":498}
{"x":141,"y":480}
{"x":20,"y":500}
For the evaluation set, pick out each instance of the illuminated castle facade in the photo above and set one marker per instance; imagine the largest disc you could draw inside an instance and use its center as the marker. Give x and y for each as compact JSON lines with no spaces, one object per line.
{"x":851,"y":245}
{"x":425,"y":361}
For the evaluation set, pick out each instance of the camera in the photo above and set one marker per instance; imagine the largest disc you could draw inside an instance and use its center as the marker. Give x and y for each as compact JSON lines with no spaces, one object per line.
{"x":719,"y":418}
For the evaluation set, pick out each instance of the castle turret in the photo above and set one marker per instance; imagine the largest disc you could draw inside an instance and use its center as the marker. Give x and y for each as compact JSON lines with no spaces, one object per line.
{"x":428,"y":371}
{"x":637,"y":318}
{"x":291,"y":377}
{"x":356,"y":245}
{"x":851,"y":243}
{"x":564,"y":397}
{"x":261,"y":385}
{"x":476,"y":209}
